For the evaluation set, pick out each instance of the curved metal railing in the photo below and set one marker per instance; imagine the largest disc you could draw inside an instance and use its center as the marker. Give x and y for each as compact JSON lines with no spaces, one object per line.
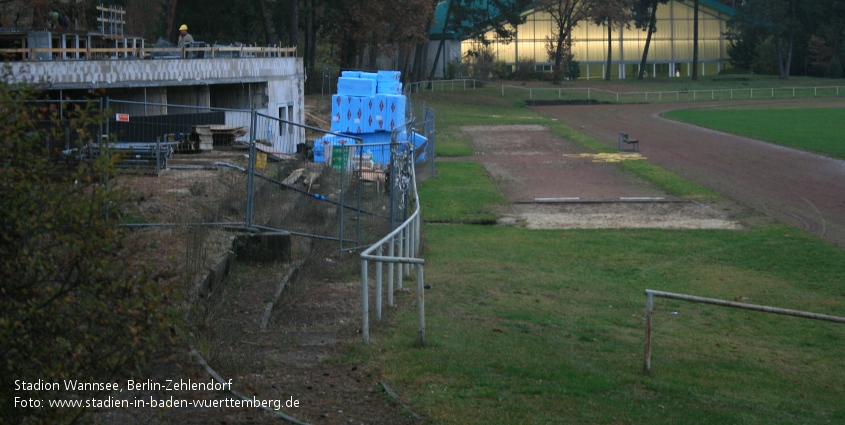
{"x":403,"y":248}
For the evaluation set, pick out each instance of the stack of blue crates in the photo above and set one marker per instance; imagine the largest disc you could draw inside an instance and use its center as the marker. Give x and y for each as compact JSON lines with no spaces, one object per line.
{"x":368,"y":105}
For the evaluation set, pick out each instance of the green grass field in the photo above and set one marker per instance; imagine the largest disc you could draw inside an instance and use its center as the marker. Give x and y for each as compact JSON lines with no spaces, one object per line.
{"x":546,"y":326}
{"x":651,"y":90}
{"x":820,"y":130}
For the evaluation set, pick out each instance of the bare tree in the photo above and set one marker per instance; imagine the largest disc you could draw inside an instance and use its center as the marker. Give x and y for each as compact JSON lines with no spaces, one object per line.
{"x":565,"y":14}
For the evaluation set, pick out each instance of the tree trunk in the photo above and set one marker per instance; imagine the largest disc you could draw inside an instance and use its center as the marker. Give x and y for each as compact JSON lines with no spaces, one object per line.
{"x":418,"y":71}
{"x":556,"y":71}
{"x":441,"y":44}
{"x":609,"y":48}
{"x":790,"y":43}
{"x":171,"y":19}
{"x":372,"y":54}
{"x":406,"y":63}
{"x":784,"y":63}
{"x":265,"y":20}
{"x":436,"y":60}
{"x":348,"y":53}
{"x":422,"y":54}
{"x":310,"y":53}
{"x":293,"y":25}
{"x":651,"y":23}
{"x":695,"y":41}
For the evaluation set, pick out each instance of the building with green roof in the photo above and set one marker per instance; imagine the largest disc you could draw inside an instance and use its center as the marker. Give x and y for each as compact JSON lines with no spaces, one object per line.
{"x":670,"y":52}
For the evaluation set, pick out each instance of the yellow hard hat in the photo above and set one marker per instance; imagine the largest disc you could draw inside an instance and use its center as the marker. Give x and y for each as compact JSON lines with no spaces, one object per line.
{"x":183,"y":27}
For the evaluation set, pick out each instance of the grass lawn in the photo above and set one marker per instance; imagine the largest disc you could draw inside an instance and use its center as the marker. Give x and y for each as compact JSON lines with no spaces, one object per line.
{"x":546,"y":326}
{"x":652,"y":89}
{"x":530,"y":326}
{"x":461,"y":193}
{"x":820,"y":130}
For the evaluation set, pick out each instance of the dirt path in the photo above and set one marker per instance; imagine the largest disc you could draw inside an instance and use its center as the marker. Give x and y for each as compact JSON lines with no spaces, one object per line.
{"x":800,"y":188}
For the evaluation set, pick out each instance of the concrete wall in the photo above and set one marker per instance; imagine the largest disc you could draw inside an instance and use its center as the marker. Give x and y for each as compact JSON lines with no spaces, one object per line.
{"x":73,"y":74}
{"x":286,"y":97}
{"x":272,"y":86}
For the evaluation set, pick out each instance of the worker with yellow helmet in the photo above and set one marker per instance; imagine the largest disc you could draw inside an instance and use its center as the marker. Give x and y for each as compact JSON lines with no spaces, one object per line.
{"x":184,"y":38}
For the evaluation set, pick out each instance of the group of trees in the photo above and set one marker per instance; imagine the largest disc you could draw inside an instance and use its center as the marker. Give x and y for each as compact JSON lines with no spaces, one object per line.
{"x":789,"y":37}
{"x":767,"y":35}
{"x":614,"y":14}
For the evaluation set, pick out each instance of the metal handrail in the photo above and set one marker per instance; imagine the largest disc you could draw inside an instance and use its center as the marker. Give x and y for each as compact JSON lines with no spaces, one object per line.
{"x":406,"y":239}
{"x":650,"y":294}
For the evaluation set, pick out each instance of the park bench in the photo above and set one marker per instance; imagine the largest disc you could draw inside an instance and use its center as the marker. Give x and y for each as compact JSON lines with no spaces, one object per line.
{"x":624,"y":141}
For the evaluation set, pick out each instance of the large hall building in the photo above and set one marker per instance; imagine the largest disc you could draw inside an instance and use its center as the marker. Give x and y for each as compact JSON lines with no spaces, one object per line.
{"x":670,"y":51}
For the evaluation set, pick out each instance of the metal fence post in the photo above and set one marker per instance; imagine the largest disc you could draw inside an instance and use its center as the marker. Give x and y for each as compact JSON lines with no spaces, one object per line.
{"x":392,"y":183}
{"x":359,"y":172}
{"x":108,"y":120}
{"x":342,"y":192}
{"x":378,"y":286}
{"x":407,"y":240}
{"x":365,"y":309}
{"x":420,"y":304}
{"x":401,"y":253}
{"x":250,"y":181}
{"x":158,"y":155}
{"x":391,"y":249}
{"x":649,"y":309}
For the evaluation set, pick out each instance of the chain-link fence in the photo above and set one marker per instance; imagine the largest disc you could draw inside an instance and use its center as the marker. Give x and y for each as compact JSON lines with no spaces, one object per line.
{"x":54,"y":116}
{"x":203,"y":166}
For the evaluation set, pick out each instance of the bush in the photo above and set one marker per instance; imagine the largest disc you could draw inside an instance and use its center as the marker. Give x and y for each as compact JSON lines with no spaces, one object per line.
{"x":74,"y":304}
{"x":525,"y":69}
{"x":452,"y":70}
{"x":734,"y":71}
{"x":501,"y":69}
{"x":480,"y":63}
{"x":765,"y":59}
{"x":573,"y":70}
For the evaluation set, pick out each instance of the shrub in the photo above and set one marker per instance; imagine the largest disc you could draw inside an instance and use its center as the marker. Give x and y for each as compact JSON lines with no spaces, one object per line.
{"x":525,"y":69}
{"x":74,"y":304}
{"x":734,"y":71}
{"x":501,"y":69}
{"x":765,"y":59}
{"x":573,"y":70}
{"x":480,"y":62}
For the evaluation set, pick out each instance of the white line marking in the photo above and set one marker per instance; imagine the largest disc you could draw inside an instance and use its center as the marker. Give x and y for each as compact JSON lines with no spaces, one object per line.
{"x":555,"y":199}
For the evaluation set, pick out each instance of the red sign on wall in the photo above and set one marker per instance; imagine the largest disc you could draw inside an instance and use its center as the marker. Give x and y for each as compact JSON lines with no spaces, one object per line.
{"x":122,"y":117}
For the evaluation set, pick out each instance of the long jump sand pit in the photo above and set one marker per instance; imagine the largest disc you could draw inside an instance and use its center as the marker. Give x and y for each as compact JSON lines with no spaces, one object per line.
{"x":620,"y":215}
{"x":552,"y":183}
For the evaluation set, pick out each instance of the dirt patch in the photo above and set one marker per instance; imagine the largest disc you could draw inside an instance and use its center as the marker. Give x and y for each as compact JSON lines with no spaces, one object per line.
{"x":300,"y":353}
{"x":529,"y":164}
